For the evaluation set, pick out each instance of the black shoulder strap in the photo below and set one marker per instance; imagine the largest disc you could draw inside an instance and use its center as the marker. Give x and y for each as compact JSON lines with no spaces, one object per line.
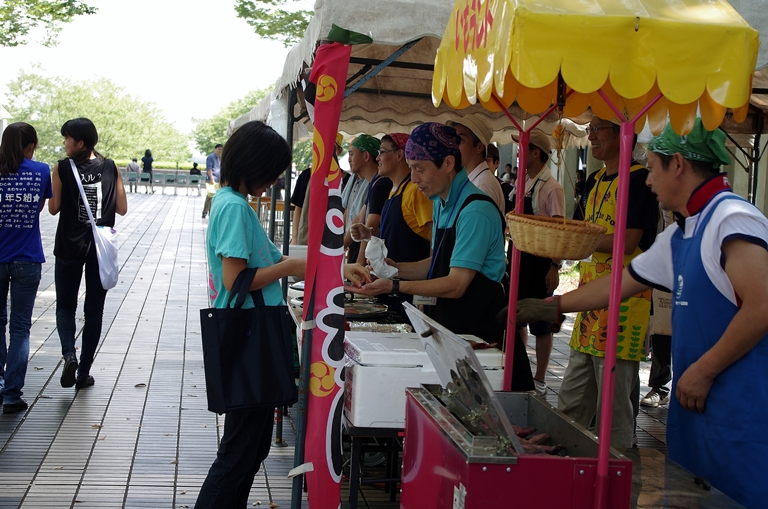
{"x":482,"y":197}
{"x":241,"y":287}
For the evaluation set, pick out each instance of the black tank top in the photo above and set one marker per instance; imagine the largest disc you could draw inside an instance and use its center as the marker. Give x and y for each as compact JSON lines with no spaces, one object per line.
{"x":74,"y":237}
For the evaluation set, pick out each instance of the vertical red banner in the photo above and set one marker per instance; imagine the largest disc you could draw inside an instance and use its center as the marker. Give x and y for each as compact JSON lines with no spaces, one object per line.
{"x":324,"y":290}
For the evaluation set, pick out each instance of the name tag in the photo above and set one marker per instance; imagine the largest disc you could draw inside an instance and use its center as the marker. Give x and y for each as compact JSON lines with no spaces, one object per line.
{"x":420,"y":300}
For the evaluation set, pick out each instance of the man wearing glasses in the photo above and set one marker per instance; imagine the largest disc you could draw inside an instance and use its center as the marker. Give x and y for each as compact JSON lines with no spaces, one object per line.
{"x":362,"y":161}
{"x":580,"y":393}
{"x":406,"y":219}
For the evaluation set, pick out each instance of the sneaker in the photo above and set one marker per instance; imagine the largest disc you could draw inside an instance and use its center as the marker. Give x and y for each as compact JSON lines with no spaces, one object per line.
{"x":69,"y":371}
{"x":541,"y":388}
{"x":12,"y":408}
{"x":654,"y":399}
{"x":84,"y":381}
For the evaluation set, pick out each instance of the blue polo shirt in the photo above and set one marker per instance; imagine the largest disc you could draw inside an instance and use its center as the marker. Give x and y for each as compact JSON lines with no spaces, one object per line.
{"x":213,"y":163}
{"x":20,"y":197}
{"x":234,"y":231}
{"x":479,"y":238}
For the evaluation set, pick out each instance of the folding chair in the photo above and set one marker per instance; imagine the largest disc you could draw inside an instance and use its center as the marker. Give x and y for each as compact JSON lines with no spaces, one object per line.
{"x":132,"y":179}
{"x":194,"y":182}
{"x":182,"y":180}
{"x":170,"y":180}
{"x":145,"y":179}
{"x":158,"y":179}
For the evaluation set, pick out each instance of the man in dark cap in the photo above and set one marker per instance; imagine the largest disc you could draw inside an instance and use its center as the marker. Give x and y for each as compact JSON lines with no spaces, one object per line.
{"x":460,"y":283}
{"x":714,"y":261}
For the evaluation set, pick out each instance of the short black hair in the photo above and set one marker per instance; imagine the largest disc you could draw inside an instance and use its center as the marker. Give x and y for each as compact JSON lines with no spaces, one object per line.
{"x":255,"y":155}
{"x":457,"y":166}
{"x":217,"y":146}
{"x":701,"y":168}
{"x":82,"y":129}
{"x":492,"y":152}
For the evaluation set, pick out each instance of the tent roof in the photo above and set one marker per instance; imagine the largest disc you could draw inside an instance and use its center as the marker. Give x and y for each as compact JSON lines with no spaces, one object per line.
{"x":699,"y":55}
{"x":398,"y":99}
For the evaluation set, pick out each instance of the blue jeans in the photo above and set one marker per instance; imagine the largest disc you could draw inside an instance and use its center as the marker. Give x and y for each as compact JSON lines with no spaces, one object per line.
{"x":68,"y":274}
{"x":22,"y":278}
{"x":245,"y":444}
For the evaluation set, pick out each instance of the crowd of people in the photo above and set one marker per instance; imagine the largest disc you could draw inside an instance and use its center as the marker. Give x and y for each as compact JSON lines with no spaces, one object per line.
{"x":433,"y":198}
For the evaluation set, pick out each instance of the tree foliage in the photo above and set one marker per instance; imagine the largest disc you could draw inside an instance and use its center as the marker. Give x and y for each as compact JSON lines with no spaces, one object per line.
{"x":271,"y":20}
{"x":210,"y":131}
{"x":126,"y":125}
{"x":18,"y":17}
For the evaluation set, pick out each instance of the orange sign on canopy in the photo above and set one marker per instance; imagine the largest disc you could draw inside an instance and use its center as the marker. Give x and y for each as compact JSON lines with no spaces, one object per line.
{"x":699,"y":54}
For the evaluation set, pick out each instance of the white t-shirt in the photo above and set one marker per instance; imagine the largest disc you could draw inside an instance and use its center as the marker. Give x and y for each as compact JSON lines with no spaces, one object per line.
{"x":482,"y":177}
{"x":551,"y":198}
{"x":732,"y":219}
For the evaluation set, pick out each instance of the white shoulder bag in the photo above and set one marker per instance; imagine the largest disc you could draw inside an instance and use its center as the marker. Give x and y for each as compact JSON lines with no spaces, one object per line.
{"x":105,"y":239}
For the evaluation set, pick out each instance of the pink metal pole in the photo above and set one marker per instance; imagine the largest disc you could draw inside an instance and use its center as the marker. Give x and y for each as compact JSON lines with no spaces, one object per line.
{"x":514,"y":276}
{"x":627,"y":134}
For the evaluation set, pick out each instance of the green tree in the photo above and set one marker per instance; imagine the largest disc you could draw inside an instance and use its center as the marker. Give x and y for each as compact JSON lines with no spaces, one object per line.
{"x":126,"y":125}
{"x":271,"y":20}
{"x":302,"y":153}
{"x":210,"y":131}
{"x":18,"y":17}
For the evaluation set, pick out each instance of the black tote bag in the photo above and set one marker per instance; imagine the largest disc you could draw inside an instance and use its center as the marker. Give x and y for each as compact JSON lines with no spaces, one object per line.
{"x":248,"y":353}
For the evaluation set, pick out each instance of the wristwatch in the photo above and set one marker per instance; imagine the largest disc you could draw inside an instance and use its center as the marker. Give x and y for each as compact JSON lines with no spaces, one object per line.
{"x":395,"y":288}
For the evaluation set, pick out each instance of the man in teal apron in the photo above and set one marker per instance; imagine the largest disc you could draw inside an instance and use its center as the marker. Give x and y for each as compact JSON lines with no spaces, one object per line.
{"x":459,"y":284}
{"x":714,"y":261}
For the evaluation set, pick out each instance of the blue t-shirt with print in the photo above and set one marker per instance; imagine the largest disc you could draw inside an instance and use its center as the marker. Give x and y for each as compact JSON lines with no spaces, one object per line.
{"x":234,"y":231}
{"x":20,"y":197}
{"x":479,"y":238}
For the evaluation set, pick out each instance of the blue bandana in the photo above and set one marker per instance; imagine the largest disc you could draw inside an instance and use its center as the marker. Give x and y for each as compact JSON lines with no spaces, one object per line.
{"x":431,"y":142}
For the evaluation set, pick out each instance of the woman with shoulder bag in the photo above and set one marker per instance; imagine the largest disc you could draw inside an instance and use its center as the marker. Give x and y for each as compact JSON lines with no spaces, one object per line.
{"x":252,"y":160}
{"x":24,"y":187}
{"x":74,"y":247}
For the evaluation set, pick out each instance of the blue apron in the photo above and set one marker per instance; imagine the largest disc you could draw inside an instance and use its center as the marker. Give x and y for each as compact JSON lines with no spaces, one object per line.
{"x":727,"y":443}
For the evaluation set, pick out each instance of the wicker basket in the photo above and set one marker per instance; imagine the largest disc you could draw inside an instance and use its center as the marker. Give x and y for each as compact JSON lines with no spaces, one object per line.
{"x":554,"y":237}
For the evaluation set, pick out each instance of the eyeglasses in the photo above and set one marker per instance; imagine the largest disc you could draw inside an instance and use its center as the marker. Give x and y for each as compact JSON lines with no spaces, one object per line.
{"x":596,"y":128}
{"x":384,"y":151}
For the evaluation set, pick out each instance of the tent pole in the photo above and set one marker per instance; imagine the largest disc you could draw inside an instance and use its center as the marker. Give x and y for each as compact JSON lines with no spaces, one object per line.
{"x":514,"y":276}
{"x":627,"y":135}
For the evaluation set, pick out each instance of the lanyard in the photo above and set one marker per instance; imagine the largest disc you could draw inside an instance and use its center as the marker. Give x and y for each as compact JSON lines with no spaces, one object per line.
{"x":437,"y":223}
{"x":388,"y":204}
{"x":605,"y":197}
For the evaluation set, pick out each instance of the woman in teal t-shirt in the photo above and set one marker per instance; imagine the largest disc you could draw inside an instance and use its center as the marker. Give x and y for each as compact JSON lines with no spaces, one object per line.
{"x":252,"y":160}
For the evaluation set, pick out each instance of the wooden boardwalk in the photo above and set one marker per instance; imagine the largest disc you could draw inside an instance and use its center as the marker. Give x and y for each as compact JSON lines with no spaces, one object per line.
{"x":142,"y":437}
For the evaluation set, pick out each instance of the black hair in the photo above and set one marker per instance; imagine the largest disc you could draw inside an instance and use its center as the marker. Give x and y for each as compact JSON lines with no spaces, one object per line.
{"x":194,"y":165}
{"x":255,"y":155}
{"x":389,"y":139}
{"x":492,"y":151}
{"x":147,"y":153}
{"x":134,"y":160}
{"x":701,"y":168}
{"x":457,"y":165}
{"x":16,"y":138}
{"x":217,"y":146}
{"x":508,"y":165}
{"x":82,"y":129}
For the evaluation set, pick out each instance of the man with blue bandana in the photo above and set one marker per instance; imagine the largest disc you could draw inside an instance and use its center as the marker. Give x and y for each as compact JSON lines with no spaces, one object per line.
{"x":714,"y":261}
{"x":460,"y":283}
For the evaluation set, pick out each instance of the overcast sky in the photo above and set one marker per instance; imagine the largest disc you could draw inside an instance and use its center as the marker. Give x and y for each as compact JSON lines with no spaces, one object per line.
{"x":189,"y":57}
